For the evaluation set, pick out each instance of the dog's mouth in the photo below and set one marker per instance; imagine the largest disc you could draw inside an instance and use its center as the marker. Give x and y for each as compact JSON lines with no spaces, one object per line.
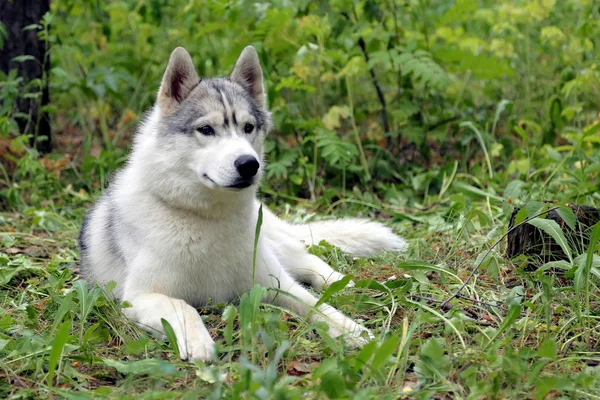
{"x":239,"y":185}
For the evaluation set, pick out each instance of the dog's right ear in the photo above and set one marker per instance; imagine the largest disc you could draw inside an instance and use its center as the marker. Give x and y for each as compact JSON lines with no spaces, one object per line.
{"x":248,"y":73}
{"x":179,"y":79}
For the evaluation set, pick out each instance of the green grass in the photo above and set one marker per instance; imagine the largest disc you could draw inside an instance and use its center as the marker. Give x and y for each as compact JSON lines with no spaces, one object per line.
{"x":509,"y":334}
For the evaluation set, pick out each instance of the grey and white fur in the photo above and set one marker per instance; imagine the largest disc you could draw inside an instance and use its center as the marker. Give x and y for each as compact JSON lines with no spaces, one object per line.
{"x":176,"y":227}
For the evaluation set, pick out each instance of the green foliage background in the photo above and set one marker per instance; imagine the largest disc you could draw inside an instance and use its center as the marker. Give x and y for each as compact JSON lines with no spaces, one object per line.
{"x":440,"y":116}
{"x":359,"y":90}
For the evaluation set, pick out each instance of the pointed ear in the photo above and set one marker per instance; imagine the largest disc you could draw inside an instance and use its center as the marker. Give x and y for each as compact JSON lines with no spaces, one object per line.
{"x":179,"y":79}
{"x":248,"y":73}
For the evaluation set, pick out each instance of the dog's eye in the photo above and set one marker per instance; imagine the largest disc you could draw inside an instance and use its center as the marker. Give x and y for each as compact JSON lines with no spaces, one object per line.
{"x":206,"y":130}
{"x":248,"y":128}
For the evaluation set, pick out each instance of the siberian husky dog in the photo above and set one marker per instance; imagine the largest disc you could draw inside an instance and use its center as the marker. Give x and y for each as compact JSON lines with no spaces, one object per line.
{"x":176,"y":228}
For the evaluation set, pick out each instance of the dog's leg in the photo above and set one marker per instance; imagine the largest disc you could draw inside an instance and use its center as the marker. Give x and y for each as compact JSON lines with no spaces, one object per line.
{"x":193,"y":339}
{"x":291,"y":294}
{"x":302,"y":266}
{"x":308,"y":268}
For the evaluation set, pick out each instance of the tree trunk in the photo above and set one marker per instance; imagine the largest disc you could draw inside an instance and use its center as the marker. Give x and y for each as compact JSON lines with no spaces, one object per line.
{"x":16,"y":15}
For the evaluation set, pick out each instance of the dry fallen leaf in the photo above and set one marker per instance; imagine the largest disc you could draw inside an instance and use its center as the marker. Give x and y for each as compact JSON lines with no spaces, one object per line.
{"x":298,"y":368}
{"x":30,"y":251}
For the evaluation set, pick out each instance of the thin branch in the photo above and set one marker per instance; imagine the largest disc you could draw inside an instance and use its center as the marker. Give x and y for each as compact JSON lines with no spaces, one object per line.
{"x":456,"y":294}
{"x":449,"y":307}
{"x":380,"y":96}
{"x":427,"y":299}
{"x":482,"y":303}
{"x":458,"y":116}
{"x":443,"y":122}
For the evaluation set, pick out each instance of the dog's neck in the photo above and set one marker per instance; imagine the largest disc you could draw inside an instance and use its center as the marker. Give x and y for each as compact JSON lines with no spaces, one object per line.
{"x":208,"y":204}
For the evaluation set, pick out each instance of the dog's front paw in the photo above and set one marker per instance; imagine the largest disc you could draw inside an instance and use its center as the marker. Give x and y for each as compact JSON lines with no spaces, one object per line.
{"x":359,"y":337}
{"x":355,"y":335}
{"x":200,"y":347}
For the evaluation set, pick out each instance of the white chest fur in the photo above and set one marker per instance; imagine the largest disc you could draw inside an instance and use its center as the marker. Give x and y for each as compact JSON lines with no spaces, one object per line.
{"x":196,"y":258}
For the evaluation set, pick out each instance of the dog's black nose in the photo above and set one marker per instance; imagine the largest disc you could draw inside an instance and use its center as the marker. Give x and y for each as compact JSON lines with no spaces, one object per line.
{"x":247,"y":166}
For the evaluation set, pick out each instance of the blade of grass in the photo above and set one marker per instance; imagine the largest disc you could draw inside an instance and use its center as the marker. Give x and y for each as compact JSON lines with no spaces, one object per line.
{"x":256,"y":236}
{"x":440,"y":316}
{"x":553,"y":229}
{"x":478,"y":134}
{"x":62,"y":335}
{"x":588,"y":267}
{"x":513,"y":312}
{"x":170,"y":333}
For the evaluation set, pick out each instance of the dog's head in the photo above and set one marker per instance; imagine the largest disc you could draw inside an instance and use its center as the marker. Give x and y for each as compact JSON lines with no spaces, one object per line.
{"x":215,"y":127}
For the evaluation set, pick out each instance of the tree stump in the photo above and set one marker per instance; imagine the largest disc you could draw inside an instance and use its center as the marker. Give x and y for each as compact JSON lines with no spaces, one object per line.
{"x":541,"y":248}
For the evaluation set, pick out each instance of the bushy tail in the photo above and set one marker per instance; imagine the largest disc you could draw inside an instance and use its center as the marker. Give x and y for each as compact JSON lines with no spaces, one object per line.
{"x":355,"y":236}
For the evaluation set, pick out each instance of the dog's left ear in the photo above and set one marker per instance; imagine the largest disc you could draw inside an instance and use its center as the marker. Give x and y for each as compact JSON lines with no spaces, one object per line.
{"x":248,"y":73}
{"x":178,"y":81}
